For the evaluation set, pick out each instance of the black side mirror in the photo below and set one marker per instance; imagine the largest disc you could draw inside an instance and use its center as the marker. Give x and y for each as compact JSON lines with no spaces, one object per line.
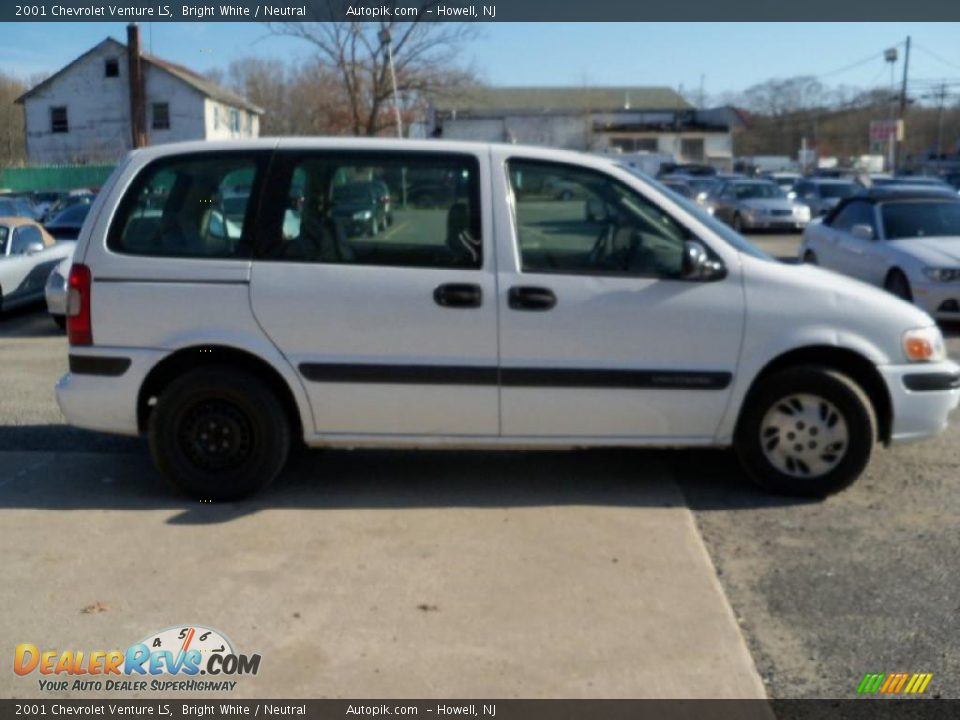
{"x":698,"y":265}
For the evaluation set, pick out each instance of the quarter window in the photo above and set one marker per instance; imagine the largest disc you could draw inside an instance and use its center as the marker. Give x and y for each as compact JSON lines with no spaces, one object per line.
{"x":599,"y":226}
{"x":394,"y":209}
{"x":187,"y":207}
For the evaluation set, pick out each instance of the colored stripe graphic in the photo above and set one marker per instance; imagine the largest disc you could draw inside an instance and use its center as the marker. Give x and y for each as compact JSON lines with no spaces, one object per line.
{"x":894,"y":683}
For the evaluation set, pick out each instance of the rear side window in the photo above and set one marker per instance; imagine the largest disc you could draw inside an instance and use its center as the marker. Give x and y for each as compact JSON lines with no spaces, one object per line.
{"x":392,"y":209}
{"x":194,"y":207}
{"x":4,"y":234}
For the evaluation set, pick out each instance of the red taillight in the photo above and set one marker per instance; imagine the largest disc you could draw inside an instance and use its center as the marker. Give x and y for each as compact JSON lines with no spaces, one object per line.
{"x":79,"y":322}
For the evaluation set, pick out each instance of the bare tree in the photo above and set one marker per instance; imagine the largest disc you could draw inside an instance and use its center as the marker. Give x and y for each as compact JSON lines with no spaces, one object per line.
{"x":12,"y":138}
{"x":425,"y":58}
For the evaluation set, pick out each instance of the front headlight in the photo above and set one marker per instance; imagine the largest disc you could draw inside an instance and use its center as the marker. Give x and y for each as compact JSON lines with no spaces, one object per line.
{"x":924,"y":345}
{"x":942,"y":274}
{"x":802,"y":212}
{"x":362,"y":215}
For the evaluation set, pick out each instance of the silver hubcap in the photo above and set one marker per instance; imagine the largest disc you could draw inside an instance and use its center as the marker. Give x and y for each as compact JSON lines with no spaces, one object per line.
{"x":804,"y":436}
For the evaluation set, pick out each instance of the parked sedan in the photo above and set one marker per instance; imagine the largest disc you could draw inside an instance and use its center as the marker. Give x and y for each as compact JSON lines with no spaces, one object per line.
{"x":27,"y":255}
{"x":757,"y":204}
{"x":908,"y":243}
{"x":359,"y":208}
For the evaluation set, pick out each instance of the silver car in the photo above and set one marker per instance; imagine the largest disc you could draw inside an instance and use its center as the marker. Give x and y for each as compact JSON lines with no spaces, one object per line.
{"x":906,"y":242}
{"x":757,"y":205}
{"x":823,"y":194}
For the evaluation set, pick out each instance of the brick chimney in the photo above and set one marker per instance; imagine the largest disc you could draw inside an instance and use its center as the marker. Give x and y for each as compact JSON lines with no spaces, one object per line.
{"x":138,"y":103}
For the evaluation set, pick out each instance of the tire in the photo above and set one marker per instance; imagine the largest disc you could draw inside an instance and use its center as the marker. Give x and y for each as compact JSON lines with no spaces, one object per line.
{"x":897,"y":284}
{"x":60,"y":320}
{"x":813,"y":407}
{"x":737,"y":223}
{"x":810,"y":258}
{"x":374,"y":228}
{"x":218,"y":400}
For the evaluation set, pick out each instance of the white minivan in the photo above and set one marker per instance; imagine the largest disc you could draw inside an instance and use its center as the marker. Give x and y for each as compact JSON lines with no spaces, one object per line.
{"x":229,"y":299}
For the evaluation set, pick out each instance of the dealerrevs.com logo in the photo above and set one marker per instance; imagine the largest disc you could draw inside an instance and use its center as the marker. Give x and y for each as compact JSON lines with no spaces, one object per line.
{"x":170,"y":660}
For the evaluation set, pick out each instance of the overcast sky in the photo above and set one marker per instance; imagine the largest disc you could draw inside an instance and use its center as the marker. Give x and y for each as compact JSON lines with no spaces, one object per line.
{"x":729,"y":57}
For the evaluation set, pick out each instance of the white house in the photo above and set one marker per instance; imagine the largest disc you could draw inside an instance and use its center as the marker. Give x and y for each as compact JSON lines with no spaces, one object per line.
{"x":597,"y":119}
{"x":115,"y":97}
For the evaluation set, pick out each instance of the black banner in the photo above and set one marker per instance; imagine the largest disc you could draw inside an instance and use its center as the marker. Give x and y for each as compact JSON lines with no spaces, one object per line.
{"x":479,"y":11}
{"x":175,"y":709}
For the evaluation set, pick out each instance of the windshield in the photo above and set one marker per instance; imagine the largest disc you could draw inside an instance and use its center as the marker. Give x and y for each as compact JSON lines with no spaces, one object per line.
{"x":8,"y":208}
{"x":917,"y":219}
{"x":722,"y":230}
{"x":838,"y":190}
{"x":754,"y":191}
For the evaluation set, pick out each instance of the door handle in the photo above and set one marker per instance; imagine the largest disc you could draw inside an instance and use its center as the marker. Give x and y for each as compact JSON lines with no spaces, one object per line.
{"x":458,"y":295}
{"x":531,"y":298}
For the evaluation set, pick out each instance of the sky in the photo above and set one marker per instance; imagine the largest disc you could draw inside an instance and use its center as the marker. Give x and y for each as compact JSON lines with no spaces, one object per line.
{"x":726,"y":57}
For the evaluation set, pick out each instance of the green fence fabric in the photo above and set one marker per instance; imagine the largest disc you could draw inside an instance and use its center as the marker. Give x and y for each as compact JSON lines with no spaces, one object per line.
{"x":53,"y":177}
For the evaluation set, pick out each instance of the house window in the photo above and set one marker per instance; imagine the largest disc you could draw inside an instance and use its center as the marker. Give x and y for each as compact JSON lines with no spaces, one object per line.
{"x":216,"y":117}
{"x":111,"y":67}
{"x":691,"y":149}
{"x":235,"y":120}
{"x":161,"y":116}
{"x":58,"y":120}
{"x":632,"y":145}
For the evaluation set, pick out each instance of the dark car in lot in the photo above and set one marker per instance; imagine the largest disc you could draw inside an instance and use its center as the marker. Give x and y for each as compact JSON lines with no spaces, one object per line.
{"x":66,"y":225}
{"x":359,"y":208}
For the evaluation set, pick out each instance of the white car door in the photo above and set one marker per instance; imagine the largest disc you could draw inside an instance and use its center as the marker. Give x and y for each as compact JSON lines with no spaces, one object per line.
{"x":599,"y":335}
{"x":857,"y":254}
{"x":390,"y":318}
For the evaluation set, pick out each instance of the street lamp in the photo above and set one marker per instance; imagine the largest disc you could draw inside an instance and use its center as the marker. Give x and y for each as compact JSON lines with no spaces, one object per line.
{"x":385,"y":39}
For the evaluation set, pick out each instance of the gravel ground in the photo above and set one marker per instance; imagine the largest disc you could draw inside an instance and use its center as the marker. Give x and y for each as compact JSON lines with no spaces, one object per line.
{"x":866,"y":581}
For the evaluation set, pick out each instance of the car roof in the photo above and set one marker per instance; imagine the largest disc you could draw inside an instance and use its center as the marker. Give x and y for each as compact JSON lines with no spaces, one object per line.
{"x":820,"y":180}
{"x":16,"y":220}
{"x":887,"y":194}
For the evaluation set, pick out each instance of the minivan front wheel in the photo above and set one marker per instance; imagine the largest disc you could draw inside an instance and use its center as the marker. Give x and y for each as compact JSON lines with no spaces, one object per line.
{"x":806,"y":431}
{"x":218,"y":434}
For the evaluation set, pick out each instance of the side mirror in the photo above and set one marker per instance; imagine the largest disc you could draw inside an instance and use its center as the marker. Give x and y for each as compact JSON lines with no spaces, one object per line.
{"x":698,"y":265}
{"x":862,"y":232}
{"x":33,"y":248}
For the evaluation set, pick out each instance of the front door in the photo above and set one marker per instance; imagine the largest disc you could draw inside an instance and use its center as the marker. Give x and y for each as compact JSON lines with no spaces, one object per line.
{"x":600,"y":336}
{"x":375,"y":279}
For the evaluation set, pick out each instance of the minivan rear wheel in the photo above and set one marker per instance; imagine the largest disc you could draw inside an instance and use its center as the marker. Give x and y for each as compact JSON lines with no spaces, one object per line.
{"x":806,"y":431}
{"x":218,"y":434}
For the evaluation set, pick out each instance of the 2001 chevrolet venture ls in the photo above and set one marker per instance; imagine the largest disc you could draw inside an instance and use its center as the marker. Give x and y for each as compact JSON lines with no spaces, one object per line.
{"x":228,"y":298}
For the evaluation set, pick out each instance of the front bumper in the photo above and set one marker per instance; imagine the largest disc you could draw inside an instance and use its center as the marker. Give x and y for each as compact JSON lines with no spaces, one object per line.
{"x":922,"y":396}
{"x":774,"y":222}
{"x":941,"y":300}
{"x":56,"y":294}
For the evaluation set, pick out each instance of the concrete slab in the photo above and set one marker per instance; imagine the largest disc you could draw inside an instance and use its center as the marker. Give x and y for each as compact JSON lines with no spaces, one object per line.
{"x":381,"y":575}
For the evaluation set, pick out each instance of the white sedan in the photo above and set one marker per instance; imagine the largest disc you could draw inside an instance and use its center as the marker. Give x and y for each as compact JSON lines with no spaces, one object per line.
{"x":908,"y":243}
{"x":27,"y":255}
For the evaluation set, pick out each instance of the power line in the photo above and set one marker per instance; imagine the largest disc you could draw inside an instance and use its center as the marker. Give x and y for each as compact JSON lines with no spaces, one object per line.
{"x":852,"y":66}
{"x":936,"y":57}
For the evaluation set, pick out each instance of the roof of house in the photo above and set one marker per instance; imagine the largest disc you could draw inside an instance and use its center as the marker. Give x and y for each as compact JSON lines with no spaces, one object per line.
{"x":197,"y":82}
{"x":561,"y":99}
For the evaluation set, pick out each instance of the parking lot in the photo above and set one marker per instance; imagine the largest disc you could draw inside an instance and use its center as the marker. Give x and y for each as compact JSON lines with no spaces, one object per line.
{"x":481,"y":574}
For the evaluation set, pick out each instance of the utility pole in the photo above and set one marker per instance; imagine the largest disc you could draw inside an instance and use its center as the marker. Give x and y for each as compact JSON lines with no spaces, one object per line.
{"x":903,"y":96}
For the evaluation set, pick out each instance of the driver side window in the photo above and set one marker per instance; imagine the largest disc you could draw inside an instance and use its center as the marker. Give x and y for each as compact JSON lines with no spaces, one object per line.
{"x":592,"y":225}
{"x":23,"y":238}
